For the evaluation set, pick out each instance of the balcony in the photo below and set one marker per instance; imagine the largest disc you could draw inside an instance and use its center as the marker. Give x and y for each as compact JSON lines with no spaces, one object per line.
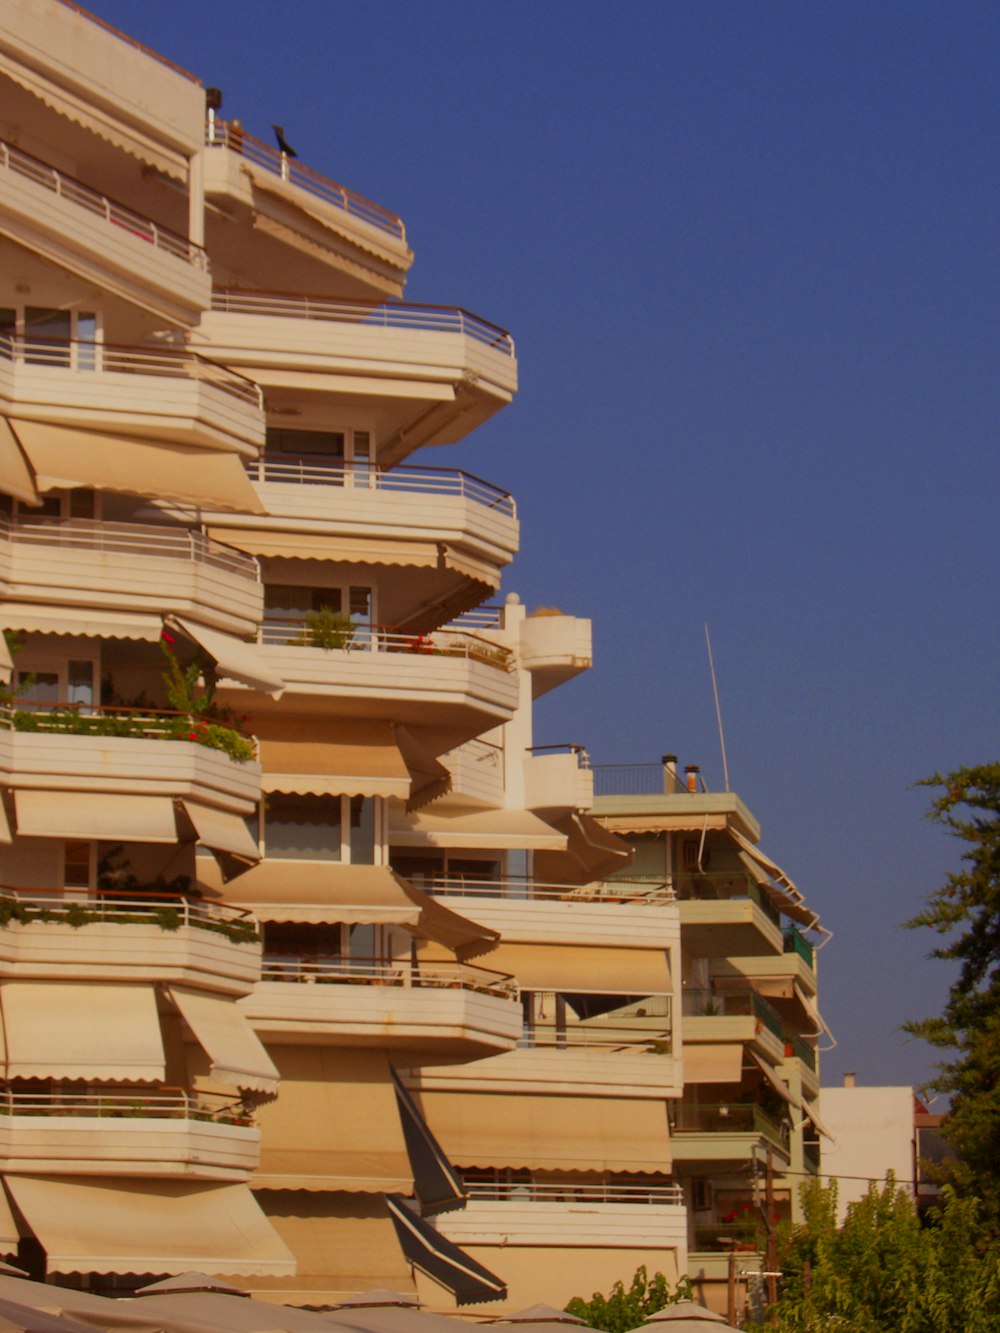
{"x":156,"y":393}
{"x":554,"y":648}
{"x":540,"y":1213}
{"x":143,"y":937}
{"x":456,"y":681}
{"x":620,"y":912}
{"x":558,"y":777}
{"x":725,"y":1132}
{"x":734,"y":1016}
{"x":98,"y":566}
{"x":100,"y":240}
{"x":445,"y":1010}
{"x":425,"y":504}
{"x":477,"y":774}
{"x":133,"y":752}
{"x":166,"y":1132}
{"x":727,"y":914}
{"x":305,"y":224}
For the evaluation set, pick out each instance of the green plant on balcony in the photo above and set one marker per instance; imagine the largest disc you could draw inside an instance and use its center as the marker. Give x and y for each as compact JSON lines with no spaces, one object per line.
{"x":327,"y":629}
{"x":199,"y":718}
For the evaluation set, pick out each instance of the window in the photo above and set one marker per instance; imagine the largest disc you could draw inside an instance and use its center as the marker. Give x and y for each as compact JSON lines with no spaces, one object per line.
{"x":288,"y":605}
{"x":47,"y":336}
{"x":334,"y":457}
{"x":72,"y":682}
{"x":321,"y":828}
{"x":77,"y":861}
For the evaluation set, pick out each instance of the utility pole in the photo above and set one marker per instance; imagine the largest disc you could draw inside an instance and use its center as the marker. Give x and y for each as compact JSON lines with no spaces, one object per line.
{"x":731,"y":1287}
{"x":771,"y":1260}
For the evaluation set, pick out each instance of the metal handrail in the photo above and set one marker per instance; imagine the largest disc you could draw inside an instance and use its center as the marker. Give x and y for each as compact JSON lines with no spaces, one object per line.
{"x":628,"y":779}
{"x":167,"y":1104}
{"x":384,"y":314}
{"x":102,"y":205}
{"x":191,"y":911}
{"x":130,"y":539}
{"x":565,"y":747}
{"x":379,"y":972}
{"x":532,"y":1191}
{"x":801,"y":1050}
{"x":108,"y":358}
{"x":705,"y":886}
{"x":227,"y":134}
{"x":295,"y":632}
{"x":795,"y":942}
{"x":314,"y":470}
{"x":610,"y":891}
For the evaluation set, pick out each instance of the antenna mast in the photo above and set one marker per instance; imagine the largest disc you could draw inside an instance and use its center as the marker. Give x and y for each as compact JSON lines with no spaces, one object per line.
{"x":718,"y":710}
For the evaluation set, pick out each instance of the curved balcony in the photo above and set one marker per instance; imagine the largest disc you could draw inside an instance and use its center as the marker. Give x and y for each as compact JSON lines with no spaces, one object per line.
{"x":98,"y":566}
{"x":100,"y":240}
{"x":166,"y":1132}
{"x":128,"y":751}
{"x":437,"y":372}
{"x":558,"y":777}
{"x":157,"y":393}
{"x":455,"y":681}
{"x":441,"y":1009}
{"x":142,"y":937}
{"x":554,"y":648}
{"x":619,"y":911}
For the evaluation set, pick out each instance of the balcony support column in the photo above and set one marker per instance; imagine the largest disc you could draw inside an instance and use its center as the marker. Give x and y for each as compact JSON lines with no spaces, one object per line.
{"x":196,"y":198}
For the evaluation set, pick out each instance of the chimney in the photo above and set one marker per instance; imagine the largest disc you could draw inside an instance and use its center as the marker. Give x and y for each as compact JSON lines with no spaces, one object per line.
{"x":669,"y":762}
{"x":851,"y":1079}
{"x":691,"y":771}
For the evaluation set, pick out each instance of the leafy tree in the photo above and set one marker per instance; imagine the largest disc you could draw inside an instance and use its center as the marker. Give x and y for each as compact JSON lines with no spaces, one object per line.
{"x":965,"y":911}
{"x":628,"y":1308}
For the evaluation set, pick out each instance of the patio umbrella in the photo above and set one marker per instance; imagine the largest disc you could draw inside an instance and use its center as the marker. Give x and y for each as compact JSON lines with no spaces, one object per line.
{"x":17,"y":1318}
{"x":538,"y":1314}
{"x":237,"y":1314}
{"x":680,"y":1310}
{"x":391,"y":1319}
{"x":381,"y":1297}
{"x":190,"y":1282}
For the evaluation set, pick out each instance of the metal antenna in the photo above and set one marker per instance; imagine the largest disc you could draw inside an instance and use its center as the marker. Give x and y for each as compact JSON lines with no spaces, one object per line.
{"x":718,"y":710}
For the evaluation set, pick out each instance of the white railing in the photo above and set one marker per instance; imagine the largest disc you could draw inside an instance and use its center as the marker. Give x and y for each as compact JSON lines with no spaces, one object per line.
{"x":610,"y":891}
{"x":133,"y":908}
{"x":163,"y":362}
{"x":130,"y":539}
{"x":298,"y":632}
{"x":480,"y":617}
{"x":377,"y":972}
{"x":379,"y":314}
{"x":511,"y":1191}
{"x":230,"y":135}
{"x":312,"y":470}
{"x":168,"y":1104}
{"x":117,"y":215}
{"x":565,"y":747}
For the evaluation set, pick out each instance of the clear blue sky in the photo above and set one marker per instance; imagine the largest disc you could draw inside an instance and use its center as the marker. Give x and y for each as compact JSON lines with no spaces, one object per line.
{"x":748,"y":252}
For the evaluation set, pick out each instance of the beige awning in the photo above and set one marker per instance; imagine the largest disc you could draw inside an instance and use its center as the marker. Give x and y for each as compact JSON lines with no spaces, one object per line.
{"x":776,"y":1082}
{"x":108,"y":624}
{"x":233,"y":659}
{"x":75,"y":814}
{"x":466,"y":939}
{"x":810,"y":1109}
{"x":463,"y":562}
{"x":105,"y":1225}
{"x":66,"y":456}
{"x":592,"y":853}
{"x":225,"y":835}
{"x":664,"y":823}
{"x":6,"y":661}
{"x":291,"y":545}
{"x":549,"y":1133}
{"x":89,"y":1030}
{"x":335,"y":1125}
{"x":484,"y":828}
{"x":572,"y":970}
{"x":713,"y":1063}
{"x":320,"y":757}
{"x":775,"y":883}
{"x":6,"y":834}
{"x":15,"y":475}
{"x":319,"y":893}
{"x":9,"y":1234}
{"x":429,"y":779}
{"x":109,"y":125}
{"x":223,"y":1032}
{"x":812,"y":1011}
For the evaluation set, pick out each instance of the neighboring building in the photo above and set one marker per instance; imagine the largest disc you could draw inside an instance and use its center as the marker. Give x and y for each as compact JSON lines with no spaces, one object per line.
{"x":878,"y":1130}
{"x":745,"y":1131}
{"x":328,"y":991}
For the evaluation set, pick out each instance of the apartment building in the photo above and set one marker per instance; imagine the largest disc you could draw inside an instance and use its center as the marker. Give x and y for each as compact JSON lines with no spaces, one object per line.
{"x":746,"y":1130}
{"x":314,"y":970}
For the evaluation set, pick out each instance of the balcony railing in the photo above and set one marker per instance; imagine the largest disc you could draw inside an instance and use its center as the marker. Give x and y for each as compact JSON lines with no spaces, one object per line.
{"x":640,"y":1026}
{"x":170,"y":911}
{"x":728,"y":1118}
{"x":512,"y":1191}
{"x":137,"y":723}
{"x":165,"y":1104}
{"x":227,"y":134}
{"x":314,"y":470}
{"x":480,"y":617}
{"x":162,"y":362}
{"x":613,"y":891}
{"x":628,"y":779}
{"x":101,"y":205}
{"x":566,"y":747}
{"x":701,"y":1002}
{"x":130,"y":539}
{"x":297,"y":632}
{"x":378,"y":972}
{"x":796,"y":943}
{"x":795,"y":1046}
{"x":722,"y":885}
{"x":376,"y":314}
{"x":717,"y":1236}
